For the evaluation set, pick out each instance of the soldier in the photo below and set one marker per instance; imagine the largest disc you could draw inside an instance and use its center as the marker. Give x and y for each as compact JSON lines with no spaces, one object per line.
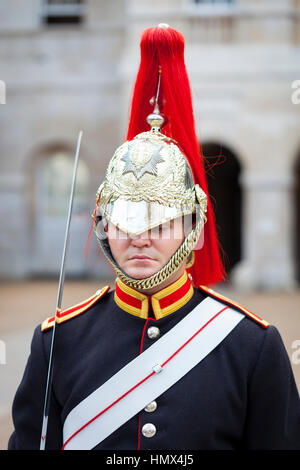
{"x":161,"y":361}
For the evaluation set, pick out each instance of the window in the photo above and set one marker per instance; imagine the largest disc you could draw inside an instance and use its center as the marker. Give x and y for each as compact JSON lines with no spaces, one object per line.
{"x":62,"y":12}
{"x":212,"y":21}
{"x":212,"y":8}
{"x":53,"y":185}
{"x":213,"y":1}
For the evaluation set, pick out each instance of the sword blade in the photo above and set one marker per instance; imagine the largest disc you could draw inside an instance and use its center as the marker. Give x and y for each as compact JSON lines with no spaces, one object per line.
{"x":58,"y":303}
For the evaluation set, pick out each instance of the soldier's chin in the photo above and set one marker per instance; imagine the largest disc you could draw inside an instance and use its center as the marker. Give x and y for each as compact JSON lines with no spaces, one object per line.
{"x":140,"y":272}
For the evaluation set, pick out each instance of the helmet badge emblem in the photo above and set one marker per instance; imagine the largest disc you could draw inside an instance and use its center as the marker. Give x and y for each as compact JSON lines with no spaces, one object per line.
{"x":140,"y":161}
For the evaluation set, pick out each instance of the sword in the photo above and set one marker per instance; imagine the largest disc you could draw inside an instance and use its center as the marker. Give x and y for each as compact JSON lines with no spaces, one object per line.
{"x":58,"y":304}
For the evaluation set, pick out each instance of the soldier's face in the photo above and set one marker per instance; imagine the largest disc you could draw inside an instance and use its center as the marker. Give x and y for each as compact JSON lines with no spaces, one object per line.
{"x":144,"y":255}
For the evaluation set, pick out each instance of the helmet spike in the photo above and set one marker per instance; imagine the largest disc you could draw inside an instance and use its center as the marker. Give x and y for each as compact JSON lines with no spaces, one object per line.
{"x":156,"y":120}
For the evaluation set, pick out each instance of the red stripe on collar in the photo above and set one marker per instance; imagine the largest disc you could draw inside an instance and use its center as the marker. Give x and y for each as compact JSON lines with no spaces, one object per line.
{"x":163,"y":302}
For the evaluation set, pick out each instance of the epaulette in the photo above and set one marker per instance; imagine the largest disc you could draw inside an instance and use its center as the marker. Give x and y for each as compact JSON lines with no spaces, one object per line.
{"x":72,"y":312}
{"x":233,"y":304}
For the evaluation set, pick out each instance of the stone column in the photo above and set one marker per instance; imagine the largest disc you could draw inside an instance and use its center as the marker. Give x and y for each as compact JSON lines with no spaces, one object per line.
{"x":267,"y":233}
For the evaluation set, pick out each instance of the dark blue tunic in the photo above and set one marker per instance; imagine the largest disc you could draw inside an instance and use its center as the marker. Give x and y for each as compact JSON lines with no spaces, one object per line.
{"x":241,"y":396}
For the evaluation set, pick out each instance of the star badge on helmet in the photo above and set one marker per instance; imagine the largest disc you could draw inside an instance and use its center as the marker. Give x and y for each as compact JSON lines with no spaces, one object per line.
{"x":140,"y":161}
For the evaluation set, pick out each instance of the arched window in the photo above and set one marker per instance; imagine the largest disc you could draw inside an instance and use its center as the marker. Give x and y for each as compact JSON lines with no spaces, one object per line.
{"x":54,"y":178}
{"x":52,"y":185}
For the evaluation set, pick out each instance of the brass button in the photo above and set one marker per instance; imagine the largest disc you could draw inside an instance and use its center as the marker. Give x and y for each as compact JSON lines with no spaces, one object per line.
{"x":148,"y":430}
{"x":151,"y":407}
{"x":153,"y":332}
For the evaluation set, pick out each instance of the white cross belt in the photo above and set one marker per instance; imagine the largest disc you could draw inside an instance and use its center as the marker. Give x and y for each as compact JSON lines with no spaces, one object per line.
{"x":149,"y":375}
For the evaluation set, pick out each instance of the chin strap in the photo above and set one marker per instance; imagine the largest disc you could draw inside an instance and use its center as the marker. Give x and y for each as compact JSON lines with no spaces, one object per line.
{"x":172,"y":265}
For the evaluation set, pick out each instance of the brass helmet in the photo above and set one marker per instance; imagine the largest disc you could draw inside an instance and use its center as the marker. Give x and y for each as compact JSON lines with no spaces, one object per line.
{"x":150,"y":180}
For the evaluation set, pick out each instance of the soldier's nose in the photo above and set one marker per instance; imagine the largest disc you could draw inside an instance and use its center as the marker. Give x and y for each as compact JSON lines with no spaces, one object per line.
{"x":141,"y":240}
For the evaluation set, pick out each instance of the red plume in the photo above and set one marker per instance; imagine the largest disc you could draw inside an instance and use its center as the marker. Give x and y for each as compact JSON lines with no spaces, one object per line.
{"x":164,"y":47}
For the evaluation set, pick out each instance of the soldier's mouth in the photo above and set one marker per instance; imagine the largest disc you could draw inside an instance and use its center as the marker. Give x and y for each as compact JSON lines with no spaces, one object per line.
{"x":141,"y":257}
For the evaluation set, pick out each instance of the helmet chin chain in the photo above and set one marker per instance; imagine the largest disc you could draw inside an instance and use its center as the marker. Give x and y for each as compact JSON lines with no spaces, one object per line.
{"x":174,"y":263}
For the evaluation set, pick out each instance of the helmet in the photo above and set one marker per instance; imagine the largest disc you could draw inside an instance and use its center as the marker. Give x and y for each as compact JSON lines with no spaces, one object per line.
{"x":153,"y":177}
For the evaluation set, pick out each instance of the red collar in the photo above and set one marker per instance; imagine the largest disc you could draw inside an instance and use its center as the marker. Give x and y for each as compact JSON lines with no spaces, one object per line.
{"x":163,"y":302}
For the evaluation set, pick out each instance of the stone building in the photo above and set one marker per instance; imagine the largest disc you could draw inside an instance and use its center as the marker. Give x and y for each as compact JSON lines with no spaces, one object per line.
{"x":69,"y":66}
